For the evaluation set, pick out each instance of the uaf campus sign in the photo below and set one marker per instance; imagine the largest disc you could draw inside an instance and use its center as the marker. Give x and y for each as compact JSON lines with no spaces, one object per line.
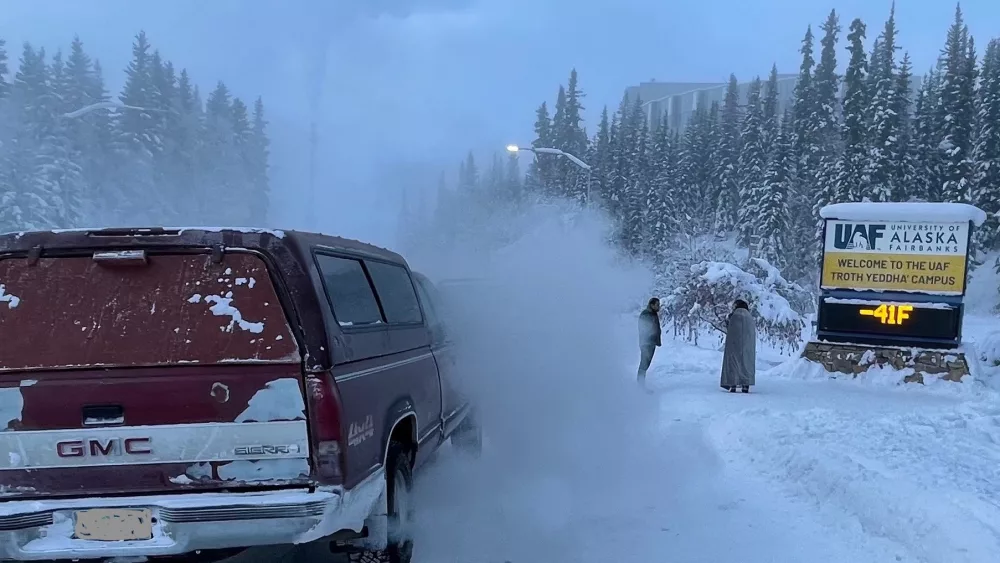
{"x":923,"y":256}
{"x":895,"y":273}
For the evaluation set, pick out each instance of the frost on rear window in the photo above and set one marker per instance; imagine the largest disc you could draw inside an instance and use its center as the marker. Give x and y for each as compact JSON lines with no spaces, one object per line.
{"x":177,"y":309}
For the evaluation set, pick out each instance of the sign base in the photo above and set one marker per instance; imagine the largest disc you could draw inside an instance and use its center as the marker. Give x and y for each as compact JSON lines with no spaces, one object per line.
{"x":854,"y":359}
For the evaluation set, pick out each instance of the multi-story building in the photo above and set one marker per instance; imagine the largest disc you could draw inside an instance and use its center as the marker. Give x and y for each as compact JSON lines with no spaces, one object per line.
{"x":679,"y":100}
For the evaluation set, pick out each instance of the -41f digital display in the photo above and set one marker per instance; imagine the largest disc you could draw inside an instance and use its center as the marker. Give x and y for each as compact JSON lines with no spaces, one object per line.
{"x":904,"y":323}
{"x":888,"y":314}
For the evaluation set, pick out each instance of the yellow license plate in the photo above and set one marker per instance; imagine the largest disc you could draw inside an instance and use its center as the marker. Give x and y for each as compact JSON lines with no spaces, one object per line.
{"x":114,"y":524}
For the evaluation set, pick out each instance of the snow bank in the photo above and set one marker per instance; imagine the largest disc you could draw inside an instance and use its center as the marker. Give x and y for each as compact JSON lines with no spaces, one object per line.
{"x":923,"y":476}
{"x":879,"y":377}
{"x":915,"y":212}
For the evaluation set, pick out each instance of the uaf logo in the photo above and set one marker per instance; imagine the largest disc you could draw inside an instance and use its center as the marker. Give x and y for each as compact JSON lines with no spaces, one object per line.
{"x":849,"y":236}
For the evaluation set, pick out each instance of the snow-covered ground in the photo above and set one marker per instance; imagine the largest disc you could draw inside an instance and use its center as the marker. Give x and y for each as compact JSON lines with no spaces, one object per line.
{"x":805,"y":468}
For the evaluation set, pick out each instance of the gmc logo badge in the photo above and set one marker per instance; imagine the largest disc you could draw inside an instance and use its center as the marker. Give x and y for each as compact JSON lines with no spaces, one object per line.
{"x":110,"y":447}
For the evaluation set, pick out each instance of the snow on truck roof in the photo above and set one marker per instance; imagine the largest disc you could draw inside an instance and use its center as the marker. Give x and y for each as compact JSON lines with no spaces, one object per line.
{"x":228,"y":236}
{"x":905,"y":212}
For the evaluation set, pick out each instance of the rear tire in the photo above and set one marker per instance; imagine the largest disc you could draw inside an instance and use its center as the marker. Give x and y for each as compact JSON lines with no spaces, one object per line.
{"x":399,"y":500}
{"x":468,"y":437}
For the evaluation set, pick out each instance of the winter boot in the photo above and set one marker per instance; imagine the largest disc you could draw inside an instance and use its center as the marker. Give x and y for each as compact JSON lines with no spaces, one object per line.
{"x":746,"y":388}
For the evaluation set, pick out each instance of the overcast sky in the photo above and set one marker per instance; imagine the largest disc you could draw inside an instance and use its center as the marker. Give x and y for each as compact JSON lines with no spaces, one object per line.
{"x":411,"y":85}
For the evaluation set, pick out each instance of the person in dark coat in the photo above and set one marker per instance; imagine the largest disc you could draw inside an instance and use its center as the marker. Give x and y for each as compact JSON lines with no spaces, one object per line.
{"x":649,"y":336}
{"x":739,"y":361}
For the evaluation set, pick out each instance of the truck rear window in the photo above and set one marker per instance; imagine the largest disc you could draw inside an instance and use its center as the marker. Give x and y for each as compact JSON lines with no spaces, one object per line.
{"x":175,"y":309}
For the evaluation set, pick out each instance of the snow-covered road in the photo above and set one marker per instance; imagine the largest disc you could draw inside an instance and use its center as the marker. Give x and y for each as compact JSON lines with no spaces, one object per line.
{"x":805,"y":468}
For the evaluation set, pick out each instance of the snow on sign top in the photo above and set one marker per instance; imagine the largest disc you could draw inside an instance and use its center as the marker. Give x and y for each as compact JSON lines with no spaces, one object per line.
{"x":905,"y":212}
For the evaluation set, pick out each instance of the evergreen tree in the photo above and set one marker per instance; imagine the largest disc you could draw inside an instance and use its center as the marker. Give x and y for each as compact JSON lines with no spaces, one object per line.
{"x":986,"y":177}
{"x":885,"y":131}
{"x":557,"y":184}
{"x":4,"y":85}
{"x":929,"y":132}
{"x":599,"y":157}
{"x":956,"y":110}
{"x":220,"y":165}
{"x":829,"y":147}
{"x":258,"y":154}
{"x":468,"y":175}
{"x":696,"y":171}
{"x":185,"y":146}
{"x":31,"y":190}
{"x":539,"y":171}
{"x":772,"y":219}
{"x":727,"y":175}
{"x":750,"y":168}
{"x":804,"y":131}
{"x":904,"y":172}
{"x":622,"y":134}
{"x":135,"y":126}
{"x":770,"y":108}
{"x":512,"y":190}
{"x":636,"y":179}
{"x":66,"y":170}
{"x":570,"y":137}
{"x":852,"y":181}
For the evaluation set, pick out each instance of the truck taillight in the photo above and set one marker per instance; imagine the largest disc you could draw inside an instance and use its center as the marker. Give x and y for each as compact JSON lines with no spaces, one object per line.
{"x":324,"y":414}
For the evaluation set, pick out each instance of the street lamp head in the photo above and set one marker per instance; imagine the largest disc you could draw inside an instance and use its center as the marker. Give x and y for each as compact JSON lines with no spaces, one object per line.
{"x":513,"y":148}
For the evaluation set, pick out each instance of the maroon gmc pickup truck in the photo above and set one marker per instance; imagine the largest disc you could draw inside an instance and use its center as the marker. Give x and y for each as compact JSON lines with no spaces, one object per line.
{"x":171,"y":391}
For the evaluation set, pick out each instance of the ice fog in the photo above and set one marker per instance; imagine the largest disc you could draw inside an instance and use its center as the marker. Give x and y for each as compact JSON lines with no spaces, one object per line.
{"x":546,"y":361}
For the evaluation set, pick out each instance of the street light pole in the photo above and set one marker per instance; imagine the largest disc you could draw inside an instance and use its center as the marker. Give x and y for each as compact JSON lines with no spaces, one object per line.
{"x":109,"y":105}
{"x":558,"y":153}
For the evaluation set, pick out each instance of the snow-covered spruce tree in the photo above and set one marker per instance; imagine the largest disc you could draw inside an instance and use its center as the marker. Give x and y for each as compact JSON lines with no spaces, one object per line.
{"x":220,"y":169}
{"x":540,"y":170}
{"x":771,"y":242}
{"x":31,"y":184}
{"x":696,"y":172}
{"x":624,"y":131}
{"x":929,"y":131}
{"x":569,"y":136}
{"x":557,"y":185}
{"x":660,"y":204}
{"x":632,"y":224}
{"x":986,"y":176}
{"x":852,"y":181}
{"x":803,"y":129}
{"x":599,"y":158}
{"x":727,"y":159}
{"x":66,"y":172}
{"x":956,"y":109}
{"x":137,"y":200}
{"x":613,"y":191}
{"x":750,"y":167}
{"x":826,"y":84}
{"x":769,"y":127}
{"x":256,"y":160}
{"x":884,"y":128}
{"x":90,"y":133}
{"x":904,"y":168}
{"x":4,"y":84}
{"x":514,"y":184}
